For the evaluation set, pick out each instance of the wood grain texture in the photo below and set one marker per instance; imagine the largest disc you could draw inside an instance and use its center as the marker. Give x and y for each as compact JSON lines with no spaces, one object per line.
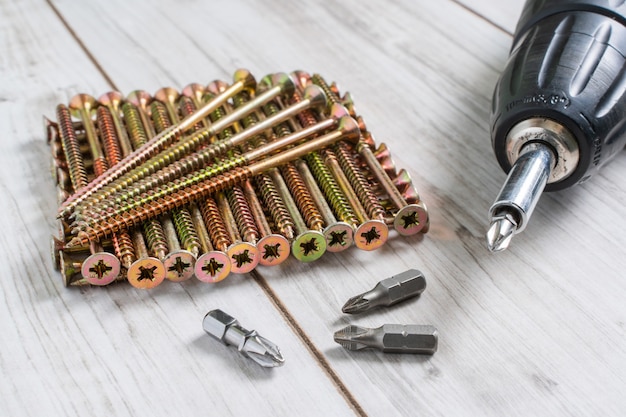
{"x":536,"y":330}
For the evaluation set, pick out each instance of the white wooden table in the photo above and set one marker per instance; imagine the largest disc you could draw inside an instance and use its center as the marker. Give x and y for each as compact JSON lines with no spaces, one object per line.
{"x":537,"y":330}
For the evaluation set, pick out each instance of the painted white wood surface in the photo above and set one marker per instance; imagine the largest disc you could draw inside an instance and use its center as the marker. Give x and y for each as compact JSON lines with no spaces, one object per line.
{"x":537,"y":330}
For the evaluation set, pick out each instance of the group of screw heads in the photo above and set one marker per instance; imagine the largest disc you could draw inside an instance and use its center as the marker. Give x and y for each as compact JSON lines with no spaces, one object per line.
{"x":388,"y":338}
{"x":218,"y":179}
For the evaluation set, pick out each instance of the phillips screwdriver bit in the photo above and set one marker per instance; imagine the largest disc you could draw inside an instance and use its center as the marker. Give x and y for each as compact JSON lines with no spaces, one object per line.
{"x":392,"y":338}
{"x":388,"y":292}
{"x":558,"y":109}
{"x":227,"y":329}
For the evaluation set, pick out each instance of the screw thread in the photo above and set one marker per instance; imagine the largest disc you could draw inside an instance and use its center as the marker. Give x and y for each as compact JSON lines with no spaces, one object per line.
{"x":108,"y":135}
{"x":276,"y":206}
{"x":186,"y":231}
{"x":71,"y":148}
{"x":187,"y":108}
{"x":155,"y":238}
{"x":302,"y":197}
{"x":331,"y":189}
{"x":331,"y":95}
{"x":243,"y":215}
{"x":123,"y":248}
{"x":293,"y":179}
{"x":166,"y":180}
{"x":322,"y":174}
{"x":160,"y":119}
{"x":215,"y":224}
{"x":100,"y":165}
{"x":134,"y":125}
{"x":155,"y":203}
{"x":360,"y":186}
{"x":239,"y":205}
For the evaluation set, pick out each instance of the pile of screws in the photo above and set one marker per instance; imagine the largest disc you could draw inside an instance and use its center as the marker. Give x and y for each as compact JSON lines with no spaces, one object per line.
{"x":219,"y":179}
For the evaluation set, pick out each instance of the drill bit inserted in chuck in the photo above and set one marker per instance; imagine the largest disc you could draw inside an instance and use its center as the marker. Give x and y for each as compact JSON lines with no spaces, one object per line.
{"x":558,"y":108}
{"x":540,"y":151}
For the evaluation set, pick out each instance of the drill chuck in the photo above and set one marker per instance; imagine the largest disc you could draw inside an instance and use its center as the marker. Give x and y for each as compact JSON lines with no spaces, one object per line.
{"x":559,"y":107}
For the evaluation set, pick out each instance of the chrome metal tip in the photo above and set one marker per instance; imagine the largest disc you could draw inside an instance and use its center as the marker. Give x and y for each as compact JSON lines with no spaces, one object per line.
{"x":355,"y":305}
{"x":501,"y":232}
{"x":348,"y":337}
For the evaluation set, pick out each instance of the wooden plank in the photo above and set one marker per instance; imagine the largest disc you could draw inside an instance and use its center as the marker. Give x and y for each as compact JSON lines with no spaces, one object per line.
{"x":115,"y":350}
{"x":503,"y":14}
{"x":522,"y":332}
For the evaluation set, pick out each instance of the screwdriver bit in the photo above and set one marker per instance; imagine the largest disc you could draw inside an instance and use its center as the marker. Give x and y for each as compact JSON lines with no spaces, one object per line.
{"x":558,"y":109}
{"x":388,"y":292}
{"x":227,"y":329}
{"x":392,"y":338}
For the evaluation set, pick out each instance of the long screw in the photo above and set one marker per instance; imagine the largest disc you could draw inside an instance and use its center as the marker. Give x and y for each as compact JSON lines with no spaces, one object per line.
{"x":339,"y":197}
{"x":242,"y":79}
{"x":274,"y":248}
{"x":71,"y":148}
{"x":173,"y":155}
{"x":122,"y":242}
{"x":179,"y":263}
{"x":213,"y":265}
{"x":377,"y":235}
{"x":235,"y":210}
{"x":210,"y":171}
{"x":140,"y":130}
{"x":410,"y":218}
{"x":100,"y":268}
{"x":113,"y":101}
{"x":177,"y":194}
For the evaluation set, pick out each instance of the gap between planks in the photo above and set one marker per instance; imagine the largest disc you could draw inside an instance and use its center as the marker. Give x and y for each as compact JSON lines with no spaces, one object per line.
{"x":261,"y":282}
{"x":483,"y":17}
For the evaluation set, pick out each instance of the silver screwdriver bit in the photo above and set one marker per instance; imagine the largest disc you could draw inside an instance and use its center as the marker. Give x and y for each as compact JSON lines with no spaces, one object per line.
{"x":393,"y":338}
{"x":249,"y":343}
{"x":388,"y":292}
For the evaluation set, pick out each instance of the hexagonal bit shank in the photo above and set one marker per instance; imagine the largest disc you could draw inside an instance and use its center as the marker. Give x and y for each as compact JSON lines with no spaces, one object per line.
{"x":392,"y":338}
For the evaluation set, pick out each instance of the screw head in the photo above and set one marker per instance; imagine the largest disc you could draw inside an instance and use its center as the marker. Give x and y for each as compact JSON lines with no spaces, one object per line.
{"x":82,"y":102}
{"x":246,"y":78}
{"x":371,"y":235}
{"x":139,"y":98}
{"x":308,"y":246}
{"x":301,"y":79}
{"x":339,"y":237}
{"x":111,"y":99}
{"x":316,"y":96}
{"x":212,"y":266}
{"x":274,"y":250}
{"x":282,"y":80}
{"x":179,"y":265}
{"x":216,"y":87}
{"x":411,"y":219}
{"x":244,"y":257}
{"x":146,"y":273}
{"x":194,"y":91}
{"x":101,"y":268}
{"x":166,"y":95}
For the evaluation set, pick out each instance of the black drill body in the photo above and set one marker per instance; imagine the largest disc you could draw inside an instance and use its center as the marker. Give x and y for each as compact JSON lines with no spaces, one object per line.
{"x":567,"y":64}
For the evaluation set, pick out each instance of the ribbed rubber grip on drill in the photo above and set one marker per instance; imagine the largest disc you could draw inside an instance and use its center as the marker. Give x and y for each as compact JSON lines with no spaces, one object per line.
{"x":567,"y":64}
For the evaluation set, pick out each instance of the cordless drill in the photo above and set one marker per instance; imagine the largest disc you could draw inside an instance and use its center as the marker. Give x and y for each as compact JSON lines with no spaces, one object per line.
{"x":559,"y":108}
